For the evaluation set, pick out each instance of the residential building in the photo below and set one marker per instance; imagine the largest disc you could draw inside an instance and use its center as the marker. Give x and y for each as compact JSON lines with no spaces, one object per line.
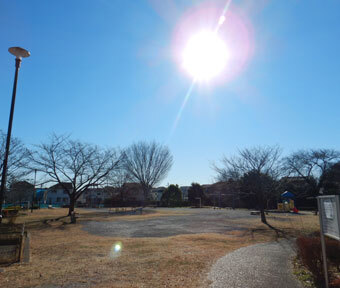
{"x":223,"y":194}
{"x":132,"y":192}
{"x":96,"y":197}
{"x":57,"y":195}
{"x":156,"y":193}
{"x":184,"y":190}
{"x":20,"y":191}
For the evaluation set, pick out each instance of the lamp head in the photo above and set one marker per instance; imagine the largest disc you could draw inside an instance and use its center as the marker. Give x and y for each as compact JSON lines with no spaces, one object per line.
{"x":19,"y":52}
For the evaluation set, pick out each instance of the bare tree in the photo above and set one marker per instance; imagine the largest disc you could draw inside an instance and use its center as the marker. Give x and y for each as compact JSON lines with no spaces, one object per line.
{"x":17,"y":158}
{"x":259,"y":161}
{"x":17,"y":161}
{"x":310,"y":164}
{"x":82,"y":165}
{"x":147,"y":163}
{"x":117,"y":180}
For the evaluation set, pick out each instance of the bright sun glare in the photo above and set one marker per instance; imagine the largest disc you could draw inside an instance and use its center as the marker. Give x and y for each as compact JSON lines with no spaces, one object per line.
{"x":205,"y":55}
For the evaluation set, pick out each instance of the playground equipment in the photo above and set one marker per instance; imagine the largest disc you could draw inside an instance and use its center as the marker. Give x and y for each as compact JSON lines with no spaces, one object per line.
{"x":287,"y":202}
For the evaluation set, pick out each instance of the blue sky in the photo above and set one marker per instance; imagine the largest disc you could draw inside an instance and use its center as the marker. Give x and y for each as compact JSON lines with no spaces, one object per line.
{"x":104,"y":71}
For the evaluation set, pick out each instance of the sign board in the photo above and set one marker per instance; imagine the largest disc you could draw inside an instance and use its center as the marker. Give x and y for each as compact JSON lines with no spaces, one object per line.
{"x":329,"y":210}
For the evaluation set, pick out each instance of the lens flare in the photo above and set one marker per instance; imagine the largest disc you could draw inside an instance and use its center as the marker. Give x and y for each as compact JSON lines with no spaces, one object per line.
{"x":221,"y":20}
{"x":205,"y":55}
{"x":116,"y":250}
{"x":213,"y":42}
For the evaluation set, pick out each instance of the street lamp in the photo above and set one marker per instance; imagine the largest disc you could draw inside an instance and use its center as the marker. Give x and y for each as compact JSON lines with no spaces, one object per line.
{"x":18,"y":53}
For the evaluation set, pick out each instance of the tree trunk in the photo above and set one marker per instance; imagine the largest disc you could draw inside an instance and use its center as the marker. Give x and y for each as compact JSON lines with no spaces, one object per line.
{"x":71,"y":209}
{"x":146,"y":193}
{"x":261,"y":204}
{"x":263,"y":216}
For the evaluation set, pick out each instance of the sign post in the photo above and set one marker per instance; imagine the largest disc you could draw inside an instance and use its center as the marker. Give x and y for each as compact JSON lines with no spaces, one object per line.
{"x":329,"y":213}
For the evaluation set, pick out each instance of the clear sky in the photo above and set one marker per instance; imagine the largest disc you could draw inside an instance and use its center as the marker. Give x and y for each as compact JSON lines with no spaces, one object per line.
{"x":107,"y":72}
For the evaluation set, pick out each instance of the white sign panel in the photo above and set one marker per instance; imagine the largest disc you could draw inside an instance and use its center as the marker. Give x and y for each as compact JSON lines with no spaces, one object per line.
{"x":329,"y":210}
{"x":330,"y":215}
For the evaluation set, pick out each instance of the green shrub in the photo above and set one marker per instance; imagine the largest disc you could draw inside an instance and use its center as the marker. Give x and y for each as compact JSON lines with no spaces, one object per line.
{"x":172,"y":196}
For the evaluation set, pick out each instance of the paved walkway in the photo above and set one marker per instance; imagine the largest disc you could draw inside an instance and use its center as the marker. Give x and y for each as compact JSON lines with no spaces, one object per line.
{"x":258,"y":266}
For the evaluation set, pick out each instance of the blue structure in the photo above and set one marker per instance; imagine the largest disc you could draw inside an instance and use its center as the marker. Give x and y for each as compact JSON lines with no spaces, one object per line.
{"x":287,"y":195}
{"x":40,"y":195}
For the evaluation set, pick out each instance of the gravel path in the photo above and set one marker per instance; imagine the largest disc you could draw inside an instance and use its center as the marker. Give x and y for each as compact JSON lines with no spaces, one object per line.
{"x":258,"y":266}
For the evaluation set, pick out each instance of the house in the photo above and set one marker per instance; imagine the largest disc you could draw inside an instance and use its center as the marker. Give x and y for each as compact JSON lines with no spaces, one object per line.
{"x":20,"y":191}
{"x":132,"y":192}
{"x":96,"y":197}
{"x":223,"y":194}
{"x":156,"y":193}
{"x":184,"y":190}
{"x":57,"y":195}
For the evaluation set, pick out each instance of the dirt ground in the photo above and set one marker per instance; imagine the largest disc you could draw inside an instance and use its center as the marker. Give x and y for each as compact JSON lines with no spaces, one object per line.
{"x":181,"y":221}
{"x":67,"y":255}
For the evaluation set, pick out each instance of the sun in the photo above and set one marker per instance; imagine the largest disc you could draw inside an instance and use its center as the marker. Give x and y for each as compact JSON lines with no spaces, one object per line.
{"x":205,"y":55}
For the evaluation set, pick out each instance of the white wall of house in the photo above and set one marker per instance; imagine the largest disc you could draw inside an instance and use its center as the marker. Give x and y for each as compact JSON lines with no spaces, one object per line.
{"x":57,"y":197}
{"x":184,"y":190}
{"x":94,"y":197}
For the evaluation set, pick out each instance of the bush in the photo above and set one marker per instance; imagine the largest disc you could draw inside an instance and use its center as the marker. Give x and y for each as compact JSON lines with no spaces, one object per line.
{"x":172,"y":197}
{"x":335,"y":283}
{"x":333,"y":253}
{"x":310,"y":253}
{"x":196,"y":191}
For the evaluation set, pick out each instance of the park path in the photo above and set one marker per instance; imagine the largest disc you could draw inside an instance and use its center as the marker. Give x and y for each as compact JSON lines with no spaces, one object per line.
{"x":265,"y":265}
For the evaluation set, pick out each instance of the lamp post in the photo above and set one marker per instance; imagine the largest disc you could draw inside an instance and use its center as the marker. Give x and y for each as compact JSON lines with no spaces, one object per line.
{"x":34,"y":192}
{"x":19,"y":53}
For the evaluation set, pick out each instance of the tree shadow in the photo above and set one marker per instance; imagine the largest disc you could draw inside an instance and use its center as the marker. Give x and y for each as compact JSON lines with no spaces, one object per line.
{"x":277,"y":231}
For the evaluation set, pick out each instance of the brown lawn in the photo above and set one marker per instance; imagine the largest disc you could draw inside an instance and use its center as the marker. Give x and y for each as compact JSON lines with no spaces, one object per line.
{"x":63,"y":254}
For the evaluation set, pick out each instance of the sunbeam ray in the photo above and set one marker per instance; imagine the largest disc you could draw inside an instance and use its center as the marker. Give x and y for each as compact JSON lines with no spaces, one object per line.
{"x":179,"y":114}
{"x":220,"y":22}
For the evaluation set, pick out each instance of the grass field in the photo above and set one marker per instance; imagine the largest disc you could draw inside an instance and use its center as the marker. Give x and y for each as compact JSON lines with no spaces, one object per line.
{"x":66,"y":256}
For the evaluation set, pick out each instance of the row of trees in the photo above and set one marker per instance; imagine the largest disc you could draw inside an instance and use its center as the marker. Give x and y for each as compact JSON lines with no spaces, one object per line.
{"x":172,"y":196}
{"x":257,"y":171}
{"x":62,"y":160}
{"x":254,"y":171}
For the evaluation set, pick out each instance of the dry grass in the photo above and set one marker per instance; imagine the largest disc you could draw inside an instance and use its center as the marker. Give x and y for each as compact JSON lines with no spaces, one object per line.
{"x":85,"y":215}
{"x":292,"y":224}
{"x":65,"y":254}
